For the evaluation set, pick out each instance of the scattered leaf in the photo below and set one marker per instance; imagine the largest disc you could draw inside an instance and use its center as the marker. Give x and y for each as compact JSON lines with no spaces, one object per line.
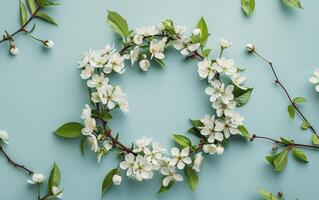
{"x":46,"y":17}
{"x":118,"y":24}
{"x":182,"y":140}
{"x":291,"y":111}
{"x":23,"y":13}
{"x":299,"y":100}
{"x":55,"y":177}
{"x":201,"y":25}
{"x":192,"y":178}
{"x":70,"y":130}
{"x":315,"y":139}
{"x":293,"y":3}
{"x":241,"y":95}
{"x":32,"y":5}
{"x":248,"y":6}
{"x":305,"y":125}
{"x":299,"y":155}
{"x":281,"y":160}
{"x":244,"y":131}
{"x":108,"y":182}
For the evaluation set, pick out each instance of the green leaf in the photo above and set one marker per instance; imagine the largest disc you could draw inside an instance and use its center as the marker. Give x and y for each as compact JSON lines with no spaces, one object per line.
{"x":165,"y":189}
{"x":195,"y":131}
{"x":281,"y":160}
{"x":197,"y":123}
{"x":55,"y":177}
{"x":118,"y":24}
{"x":169,"y":26}
{"x":286,"y":141}
{"x":105,"y":115}
{"x":291,"y":111}
{"x":192,"y":178}
{"x":299,"y":100}
{"x":248,"y":6}
{"x":315,"y":139}
{"x":267,"y":195}
{"x":182,"y":140}
{"x":271,"y":159}
{"x":45,"y":3}
{"x":241,"y":95}
{"x":299,"y":155}
{"x":32,"y":5}
{"x":201,"y":25}
{"x":293,"y":3}
{"x":160,"y":62}
{"x":244,"y":131}
{"x":305,"y":125}
{"x":46,"y":17}
{"x":82,"y":145}
{"x":70,"y":130}
{"x":23,"y":13}
{"x":107,"y":182}
{"x":206,"y":52}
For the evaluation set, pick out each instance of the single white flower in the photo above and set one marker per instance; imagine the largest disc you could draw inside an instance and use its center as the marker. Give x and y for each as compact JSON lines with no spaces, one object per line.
{"x":48,"y":43}
{"x":238,"y":79}
{"x":93,"y":143}
{"x":154,"y":156}
{"x":4,"y":137}
{"x":210,"y":148}
{"x":179,"y":30}
{"x":225,"y":65}
{"x":180,"y":158}
{"x":142,"y":169}
{"x":141,"y":144}
{"x":232,"y":121}
{"x":315,"y":79}
{"x":14,"y":50}
{"x":138,"y":39}
{"x":128,"y":164}
{"x":57,"y":192}
{"x":88,"y":59}
{"x":144,"y":64}
{"x":185,"y":46}
{"x":221,"y":108}
{"x":89,"y":126}
{"x":86,"y":112}
{"x":117,"y":179}
{"x":124,"y":106}
{"x":196,"y":32}
{"x":98,"y":81}
{"x":205,"y":69}
{"x":220,"y":149}
{"x":36,"y":179}
{"x":99,"y":60}
{"x":107,"y":51}
{"x":157,"y":48}
{"x":219,"y":91}
{"x":171,"y":176}
{"x":134,"y":54}
{"x":116,"y":63}
{"x":147,"y":31}
{"x":198,"y":161}
{"x":87,"y":72}
{"x":212,"y":129}
{"x":223,"y":43}
{"x":250,"y":47}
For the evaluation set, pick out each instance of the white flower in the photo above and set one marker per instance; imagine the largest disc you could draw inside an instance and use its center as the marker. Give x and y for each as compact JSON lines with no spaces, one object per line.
{"x":99,"y":60}
{"x":89,"y":126}
{"x":14,"y":50}
{"x":221,"y":108}
{"x":225,"y":65}
{"x":87,"y":72}
{"x":86,"y":112}
{"x":93,"y":143}
{"x":315,"y":79}
{"x":154,"y":156}
{"x":210,"y":148}
{"x":180,"y":157}
{"x":116,"y":63}
{"x":88,"y":59}
{"x":185,"y":46}
{"x":138,"y":39}
{"x":212,"y":128}
{"x":157,"y":48}
{"x":147,"y":31}
{"x":223,"y":43}
{"x":220,"y":149}
{"x":238,"y":79}
{"x":124,"y":106}
{"x":4,"y":136}
{"x":142,"y":169}
{"x":196,"y":32}
{"x":219,"y":91}
{"x":179,"y":30}
{"x":98,"y":81}
{"x":117,"y":179}
{"x":142,"y":143}
{"x":171,"y":176}
{"x":144,"y":65}
{"x":36,"y":179}
{"x":128,"y":164}
{"x":107,"y":51}
{"x":250,"y":47}
{"x":198,"y":162}
{"x":205,"y":69}
{"x":232,"y":121}
{"x":134,"y":53}
{"x":57,"y":192}
{"x":48,"y":43}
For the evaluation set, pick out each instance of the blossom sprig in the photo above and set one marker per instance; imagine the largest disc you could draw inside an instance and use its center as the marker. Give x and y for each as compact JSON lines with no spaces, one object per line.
{"x":248,"y":6}
{"x":36,"y":179}
{"x":145,"y":157}
{"x":294,"y":102}
{"x":35,"y":10}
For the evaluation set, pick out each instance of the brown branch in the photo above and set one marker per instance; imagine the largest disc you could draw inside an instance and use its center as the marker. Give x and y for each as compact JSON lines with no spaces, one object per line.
{"x":19,"y":166}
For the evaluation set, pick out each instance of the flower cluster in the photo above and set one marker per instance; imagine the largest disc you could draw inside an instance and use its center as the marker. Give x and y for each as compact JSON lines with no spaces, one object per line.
{"x":315,"y":80}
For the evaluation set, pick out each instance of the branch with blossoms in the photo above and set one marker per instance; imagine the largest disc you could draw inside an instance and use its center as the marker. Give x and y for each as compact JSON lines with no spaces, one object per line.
{"x":36,"y":10}
{"x":36,"y":179}
{"x":145,"y":157}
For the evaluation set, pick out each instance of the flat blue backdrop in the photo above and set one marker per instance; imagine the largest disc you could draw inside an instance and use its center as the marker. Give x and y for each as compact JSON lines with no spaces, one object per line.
{"x":41,"y":89}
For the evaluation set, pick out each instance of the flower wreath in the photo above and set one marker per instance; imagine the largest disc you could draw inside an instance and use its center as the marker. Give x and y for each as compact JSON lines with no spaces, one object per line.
{"x":145,"y":157}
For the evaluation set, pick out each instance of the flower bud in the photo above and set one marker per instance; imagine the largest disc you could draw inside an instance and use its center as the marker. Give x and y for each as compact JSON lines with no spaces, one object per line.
{"x":36,"y":179}
{"x":4,"y":136}
{"x":48,"y":43}
{"x":117,"y":179}
{"x":250,"y":47}
{"x":198,"y":162}
{"x":223,"y":43}
{"x":196,"y":32}
{"x":14,"y":50}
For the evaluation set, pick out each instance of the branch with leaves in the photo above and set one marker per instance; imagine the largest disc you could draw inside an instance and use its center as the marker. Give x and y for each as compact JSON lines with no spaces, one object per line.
{"x":248,"y":6}
{"x":36,"y":179}
{"x":35,"y":10}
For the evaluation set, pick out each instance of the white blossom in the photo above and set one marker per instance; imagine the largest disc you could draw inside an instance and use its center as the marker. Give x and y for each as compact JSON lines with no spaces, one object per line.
{"x":196,"y":32}
{"x":219,"y":91}
{"x":89,"y":126}
{"x":250,"y":47}
{"x":98,"y":81}
{"x":144,"y":64}
{"x":87,"y":72}
{"x":116,"y":63}
{"x":179,"y":30}
{"x":58,"y":193}
{"x":14,"y":50}
{"x":223,"y":43}
{"x":238,"y":79}
{"x":232,"y":121}
{"x":4,"y":137}
{"x":205,"y":69}
{"x":180,"y":158}
{"x":86,"y":112}
{"x":141,"y":144}
{"x":157,"y":48}
{"x":138,"y":39}
{"x":185,"y":46}
{"x":128,"y":164}
{"x":154,"y":156}
{"x":315,"y":79}
{"x":221,"y":108}
{"x":93,"y":142}
{"x":117,"y":179}
{"x":210,"y":148}
{"x":171,"y":176}
{"x":36,"y":179}
{"x":88,"y":59}
{"x":225,"y":65}
{"x":143,"y":170}
{"x":147,"y":31}
{"x":48,"y":43}
{"x":212,"y":128}
{"x":198,"y":161}
{"x":134,"y":54}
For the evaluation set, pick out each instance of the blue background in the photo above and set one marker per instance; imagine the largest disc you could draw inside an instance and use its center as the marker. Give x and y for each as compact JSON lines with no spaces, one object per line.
{"x":40,"y":90}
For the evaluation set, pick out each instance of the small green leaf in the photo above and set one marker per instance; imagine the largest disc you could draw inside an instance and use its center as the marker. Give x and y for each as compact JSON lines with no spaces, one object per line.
{"x":244,"y":131}
{"x":291,"y":111}
{"x":242,"y":96}
{"x":46,"y":17}
{"x":45,"y":3}
{"x":82,"y":145}
{"x":195,"y":131}
{"x":55,"y":177}
{"x":165,"y":189}
{"x":32,"y":5}
{"x":105,"y":115}
{"x":70,"y":130}
{"x":192,"y":178}
{"x":107,"y":182}
{"x":197,"y":123}
{"x":160,"y":62}
{"x":271,"y":159}
{"x":286,"y":141}
{"x":305,"y":125}
{"x":118,"y":24}
{"x":201,"y":25}
{"x":299,"y":100}
{"x":293,"y":3}
{"x":299,"y":155}
{"x":206,"y":52}
{"x":315,"y":139}
{"x":169,"y":26}
{"x":182,"y":140}
{"x":248,"y":6}
{"x":267,"y":195}
{"x":23,"y":13}
{"x":281,"y":160}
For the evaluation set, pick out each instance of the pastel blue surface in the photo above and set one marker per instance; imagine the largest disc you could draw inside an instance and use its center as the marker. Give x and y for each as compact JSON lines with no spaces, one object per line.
{"x":41,"y":89}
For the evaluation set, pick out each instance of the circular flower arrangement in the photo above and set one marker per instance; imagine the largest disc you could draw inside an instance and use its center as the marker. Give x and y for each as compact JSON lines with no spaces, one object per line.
{"x":146,"y":157}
